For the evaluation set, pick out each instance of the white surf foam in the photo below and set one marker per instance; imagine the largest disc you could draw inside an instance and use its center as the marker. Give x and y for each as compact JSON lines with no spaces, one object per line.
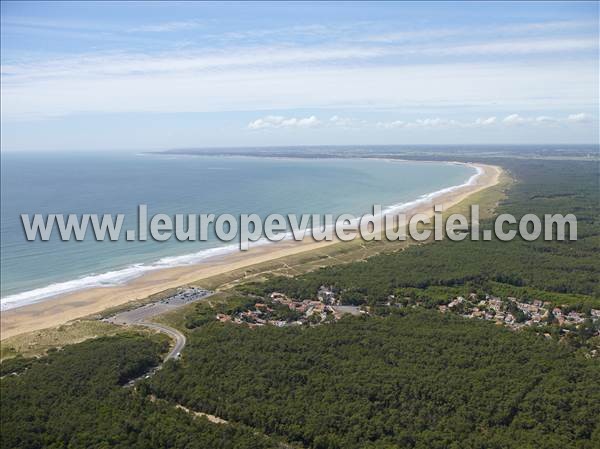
{"x":121,"y":276}
{"x":400,"y":207}
{"x":109,"y":278}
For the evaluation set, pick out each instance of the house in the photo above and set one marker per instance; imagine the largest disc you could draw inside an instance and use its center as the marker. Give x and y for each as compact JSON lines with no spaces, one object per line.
{"x":496,"y":304}
{"x":456,"y":302}
{"x":298,"y":306}
{"x":326,"y":295}
{"x":278,"y":296}
{"x":575,"y":317}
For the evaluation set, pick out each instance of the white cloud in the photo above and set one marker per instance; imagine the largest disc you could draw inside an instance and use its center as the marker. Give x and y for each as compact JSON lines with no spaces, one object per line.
{"x":102,"y":66}
{"x":434,"y":34}
{"x":516,"y":47}
{"x":549,"y":26}
{"x":391,"y":125}
{"x":280,"y":79}
{"x":510,"y":120}
{"x":579,"y":118}
{"x":485,"y":121}
{"x":545,"y":119}
{"x":413,"y":35}
{"x":346,"y":122}
{"x":437,"y":122}
{"x":276,"y":121}
{"x":167,"y":27}
{"x":270,"y":121}
{"x":514,"y":119}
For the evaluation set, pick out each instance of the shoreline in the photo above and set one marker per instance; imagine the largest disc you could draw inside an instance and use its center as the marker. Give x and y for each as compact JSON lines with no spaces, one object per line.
{"x":118,"y":276}
{"x":66,"y":307}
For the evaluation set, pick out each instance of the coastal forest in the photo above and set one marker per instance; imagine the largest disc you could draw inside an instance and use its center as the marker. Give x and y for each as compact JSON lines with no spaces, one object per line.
{"x":403,"y":377}
{"x":77,"y":398}
{"x":415,"y":379}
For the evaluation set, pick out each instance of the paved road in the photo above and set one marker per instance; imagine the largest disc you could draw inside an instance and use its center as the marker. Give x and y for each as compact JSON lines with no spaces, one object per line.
{"x":127,"y":319}
{"x":142,"y":316}
{"x":174,"y":353}
{"x":173,"y":333}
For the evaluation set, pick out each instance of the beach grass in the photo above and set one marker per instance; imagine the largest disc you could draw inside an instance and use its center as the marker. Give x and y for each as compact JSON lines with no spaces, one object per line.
{"x":37,"y":343}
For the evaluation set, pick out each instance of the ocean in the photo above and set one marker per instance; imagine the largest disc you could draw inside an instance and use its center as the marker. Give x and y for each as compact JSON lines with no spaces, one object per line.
{"x":100,"y":183}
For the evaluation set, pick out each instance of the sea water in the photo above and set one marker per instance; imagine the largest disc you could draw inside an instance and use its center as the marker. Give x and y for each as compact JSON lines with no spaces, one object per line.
{"x":99,"y":183}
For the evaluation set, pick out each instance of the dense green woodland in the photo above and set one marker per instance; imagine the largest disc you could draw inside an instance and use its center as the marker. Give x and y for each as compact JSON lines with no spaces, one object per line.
{"x":423,"y":380}
{"x":74,"y":399}
{"x":411,"y":379}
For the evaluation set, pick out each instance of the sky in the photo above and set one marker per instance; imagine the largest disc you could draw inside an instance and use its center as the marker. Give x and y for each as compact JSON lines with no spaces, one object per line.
{"x":151,"y":76}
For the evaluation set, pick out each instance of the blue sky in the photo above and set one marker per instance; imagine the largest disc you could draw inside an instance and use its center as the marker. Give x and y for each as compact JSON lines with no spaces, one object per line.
{"x":137,"y":76}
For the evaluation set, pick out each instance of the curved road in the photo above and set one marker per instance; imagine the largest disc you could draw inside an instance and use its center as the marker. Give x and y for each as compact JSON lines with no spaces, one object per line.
{"x":141,"y":316}
{"x":137,"y":318}
{"x":179,"y":338}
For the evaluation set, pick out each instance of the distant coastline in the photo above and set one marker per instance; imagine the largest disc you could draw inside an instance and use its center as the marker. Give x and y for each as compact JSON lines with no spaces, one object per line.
{"x":420,"y":152}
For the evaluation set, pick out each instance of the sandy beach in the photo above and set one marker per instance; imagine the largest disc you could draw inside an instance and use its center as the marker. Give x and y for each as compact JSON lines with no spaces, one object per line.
{"x":62,"y":309}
